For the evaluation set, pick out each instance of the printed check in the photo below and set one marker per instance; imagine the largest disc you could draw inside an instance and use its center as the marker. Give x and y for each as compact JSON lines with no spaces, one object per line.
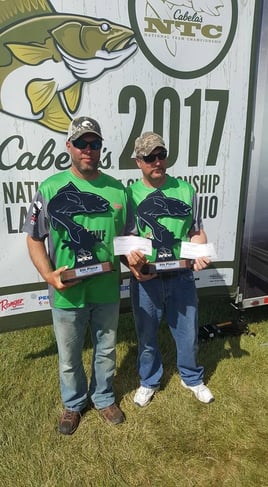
{"x":191,"y":250}
{"x":124,"y":245}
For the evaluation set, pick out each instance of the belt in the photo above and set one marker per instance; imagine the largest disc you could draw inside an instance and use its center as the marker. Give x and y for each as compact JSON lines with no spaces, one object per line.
{"x":167,"y":275}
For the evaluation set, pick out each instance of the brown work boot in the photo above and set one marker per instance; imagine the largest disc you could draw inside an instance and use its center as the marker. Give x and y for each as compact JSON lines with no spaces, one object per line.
{"x":69,"y":421}
{"x":112,"y":414}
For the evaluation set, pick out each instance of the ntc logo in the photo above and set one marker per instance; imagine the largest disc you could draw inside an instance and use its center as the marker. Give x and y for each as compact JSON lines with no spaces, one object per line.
{"x":184,"y":39}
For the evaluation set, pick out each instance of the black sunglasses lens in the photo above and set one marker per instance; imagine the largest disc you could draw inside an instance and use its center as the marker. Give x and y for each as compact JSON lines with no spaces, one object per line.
{"x":152,"y":157}
{"x":82,"y":144}
{"x":162,"y":155}
{"x":149,"y":158}
{"x":95,"y":144}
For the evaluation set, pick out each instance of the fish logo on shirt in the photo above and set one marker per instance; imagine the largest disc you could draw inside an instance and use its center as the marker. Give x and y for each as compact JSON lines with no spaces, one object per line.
{"x":156,"y":205}
{"x":69,"y":202}
{"x":46,"y":57}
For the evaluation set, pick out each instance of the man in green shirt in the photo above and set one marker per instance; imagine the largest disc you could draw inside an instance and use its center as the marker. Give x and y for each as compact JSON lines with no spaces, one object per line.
{"x":166,"y":212}
{"x":79,"y":211}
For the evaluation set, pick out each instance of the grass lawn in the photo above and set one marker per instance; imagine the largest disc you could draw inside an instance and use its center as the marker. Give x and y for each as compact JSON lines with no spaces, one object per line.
{"x":175,"y":441}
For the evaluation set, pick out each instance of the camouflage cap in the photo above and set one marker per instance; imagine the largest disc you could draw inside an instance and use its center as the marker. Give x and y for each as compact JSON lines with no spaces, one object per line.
{"x":83,"y":125}
{"x":147,"y":142}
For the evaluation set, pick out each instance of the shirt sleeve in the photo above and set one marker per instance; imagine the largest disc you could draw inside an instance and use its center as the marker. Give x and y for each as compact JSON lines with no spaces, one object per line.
{"x":197,"y":219}
{"x":36,"y":222}
{"x":130,"y":226}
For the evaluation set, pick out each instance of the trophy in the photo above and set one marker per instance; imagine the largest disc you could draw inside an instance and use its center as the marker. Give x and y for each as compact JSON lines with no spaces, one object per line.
{"x":154,"y":206}
{"x":86,"y":262}
{"x":68,"y":202}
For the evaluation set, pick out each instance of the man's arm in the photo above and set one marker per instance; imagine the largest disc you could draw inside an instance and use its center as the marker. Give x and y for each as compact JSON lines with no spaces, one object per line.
{"x":40,"y":259}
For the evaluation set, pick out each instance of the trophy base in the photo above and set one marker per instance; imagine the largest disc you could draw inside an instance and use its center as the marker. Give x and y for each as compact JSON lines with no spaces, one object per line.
{"x":166,"y":266}
{"x":84,"y":272}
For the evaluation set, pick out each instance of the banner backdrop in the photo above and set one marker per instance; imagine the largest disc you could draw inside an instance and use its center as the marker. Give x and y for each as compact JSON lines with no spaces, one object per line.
{"x":180,"y":68}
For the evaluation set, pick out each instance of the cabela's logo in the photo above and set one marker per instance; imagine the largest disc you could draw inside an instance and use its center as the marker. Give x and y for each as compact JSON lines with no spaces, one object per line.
{"x":46,"y":57}
{"x":184,"y":38}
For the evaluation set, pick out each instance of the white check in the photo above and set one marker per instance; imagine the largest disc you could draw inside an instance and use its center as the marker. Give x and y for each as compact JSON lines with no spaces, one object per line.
{"x":190,"y":250}
{"x":124,"y":245}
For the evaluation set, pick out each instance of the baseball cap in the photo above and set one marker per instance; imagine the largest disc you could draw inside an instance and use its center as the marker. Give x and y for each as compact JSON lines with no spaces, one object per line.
{"x":83,"y":125}
{"x":147,"y":142}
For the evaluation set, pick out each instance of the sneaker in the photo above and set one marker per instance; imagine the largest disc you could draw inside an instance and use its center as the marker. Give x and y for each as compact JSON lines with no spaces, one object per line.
{"x":201,"y":392}
{"x":69,"y":422}
{"x":144,"y":395}
{"x":112,"y":414}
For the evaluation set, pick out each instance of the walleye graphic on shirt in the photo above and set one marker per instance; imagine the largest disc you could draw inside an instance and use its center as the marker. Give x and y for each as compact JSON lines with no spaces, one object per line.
{"x":53,"y":55}
{"x":66,"y":204}
{"x":157,"y":205}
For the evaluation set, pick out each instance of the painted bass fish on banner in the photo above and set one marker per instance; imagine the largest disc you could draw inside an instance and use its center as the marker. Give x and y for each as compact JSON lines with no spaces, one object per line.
{"x":46,"y":57}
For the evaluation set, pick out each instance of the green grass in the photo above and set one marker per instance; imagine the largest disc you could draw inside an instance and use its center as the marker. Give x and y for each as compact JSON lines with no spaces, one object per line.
{"x":175,"y":441}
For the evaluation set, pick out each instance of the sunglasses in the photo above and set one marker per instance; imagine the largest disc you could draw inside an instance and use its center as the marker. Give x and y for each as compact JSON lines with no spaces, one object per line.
{"x":82,"y":144}
{"x":152,"y":157}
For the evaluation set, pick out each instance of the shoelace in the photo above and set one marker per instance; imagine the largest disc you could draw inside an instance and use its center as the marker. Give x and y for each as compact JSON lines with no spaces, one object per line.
{"x":145,"y":391}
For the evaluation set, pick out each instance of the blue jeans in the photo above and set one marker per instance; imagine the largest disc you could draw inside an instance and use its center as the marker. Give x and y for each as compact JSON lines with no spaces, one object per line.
{"x":175,"y":298}
{"x":70,"y":326}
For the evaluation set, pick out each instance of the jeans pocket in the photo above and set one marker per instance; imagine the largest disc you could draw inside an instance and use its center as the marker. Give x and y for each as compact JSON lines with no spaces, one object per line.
{"x":187,"y":275}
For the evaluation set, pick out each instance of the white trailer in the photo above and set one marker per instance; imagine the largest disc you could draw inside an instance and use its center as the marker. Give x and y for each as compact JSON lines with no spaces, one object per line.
{"x":253,"y":275}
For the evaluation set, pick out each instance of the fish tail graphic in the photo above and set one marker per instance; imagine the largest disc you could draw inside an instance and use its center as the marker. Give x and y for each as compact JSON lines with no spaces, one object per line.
{"x":158,"y":231}
{"x":74,"y":232}
{"x":72,"y":228}
{"x":157,"y":228}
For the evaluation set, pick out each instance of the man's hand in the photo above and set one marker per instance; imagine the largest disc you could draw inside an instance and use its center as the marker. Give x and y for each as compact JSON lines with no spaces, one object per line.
{"x":54,"y":278}
{"x":40,"y":259}
{"x":136,"y":261}
{"x":201,"y":263}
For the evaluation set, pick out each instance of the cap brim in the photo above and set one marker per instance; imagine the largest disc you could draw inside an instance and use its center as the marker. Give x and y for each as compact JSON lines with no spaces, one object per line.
{"x":83,"y":132}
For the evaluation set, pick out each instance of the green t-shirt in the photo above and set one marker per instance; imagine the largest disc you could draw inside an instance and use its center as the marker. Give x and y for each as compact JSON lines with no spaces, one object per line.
{"x":165,"y":215}
{"x":77,"y":215}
